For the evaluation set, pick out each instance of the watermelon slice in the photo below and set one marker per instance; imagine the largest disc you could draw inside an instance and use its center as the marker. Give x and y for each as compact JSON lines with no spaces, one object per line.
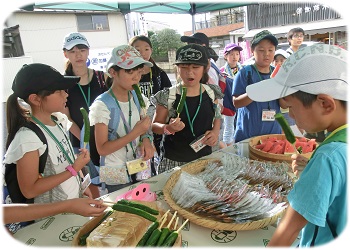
{"x":276,"y":149}
{"x":268,"y":146}
{"x":289,"y":149}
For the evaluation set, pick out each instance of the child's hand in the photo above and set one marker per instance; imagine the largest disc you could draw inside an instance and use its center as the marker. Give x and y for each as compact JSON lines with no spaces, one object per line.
{"x":211,"y":138}
{"x":175,"y":125}
{"x":298,"y":164}
{"x":147,"y":149}
{"x":142,"y":125}
{"x":82,"y":159}
{"x":86,"y":206}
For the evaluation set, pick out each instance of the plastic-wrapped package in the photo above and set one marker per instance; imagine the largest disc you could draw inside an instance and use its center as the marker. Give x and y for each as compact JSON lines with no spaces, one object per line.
{"x":234,"y":189}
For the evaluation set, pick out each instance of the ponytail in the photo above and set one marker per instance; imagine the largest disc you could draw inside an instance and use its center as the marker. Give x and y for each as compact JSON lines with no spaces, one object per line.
{"x":16,"y":116}
{"x":69,"y":69}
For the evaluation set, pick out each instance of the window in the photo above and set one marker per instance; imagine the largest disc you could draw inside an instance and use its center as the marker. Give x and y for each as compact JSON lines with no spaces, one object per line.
{"x":89,"y":22}
{"x":12,"y":44}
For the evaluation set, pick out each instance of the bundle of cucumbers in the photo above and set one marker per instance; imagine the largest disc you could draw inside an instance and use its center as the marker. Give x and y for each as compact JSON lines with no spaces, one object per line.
{"x":159,"y":236}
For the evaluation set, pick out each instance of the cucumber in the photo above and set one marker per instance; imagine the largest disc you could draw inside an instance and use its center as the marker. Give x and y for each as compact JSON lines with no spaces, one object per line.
{"x":164,"y":234}
{"x":286,"y":128}
{"x":148,"y":234}
{"x":170,"y":240}
{"x":138,"y":205}
{"x":137,"y":89}
{"x":152,"y":240}
{"x":133,"y":210}
{"x":181,"y":104}
{"x":82,"y":239}
{"x":86,"y":125}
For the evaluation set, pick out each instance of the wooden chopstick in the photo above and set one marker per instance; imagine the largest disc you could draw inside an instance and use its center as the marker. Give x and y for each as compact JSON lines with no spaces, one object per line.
{"x":108,"y":203}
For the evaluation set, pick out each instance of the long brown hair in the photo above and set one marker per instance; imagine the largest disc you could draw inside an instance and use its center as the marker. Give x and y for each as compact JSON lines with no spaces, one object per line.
{"x":155,"y":69}
{"x":17,"y":115}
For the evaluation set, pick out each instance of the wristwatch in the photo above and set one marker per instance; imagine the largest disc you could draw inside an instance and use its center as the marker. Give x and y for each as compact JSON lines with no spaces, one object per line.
{"x":71,"y":170}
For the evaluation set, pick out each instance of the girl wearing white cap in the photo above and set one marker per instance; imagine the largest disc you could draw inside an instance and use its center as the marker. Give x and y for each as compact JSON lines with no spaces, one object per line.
{"x":92,"y":84}
{"x":121,"y":131}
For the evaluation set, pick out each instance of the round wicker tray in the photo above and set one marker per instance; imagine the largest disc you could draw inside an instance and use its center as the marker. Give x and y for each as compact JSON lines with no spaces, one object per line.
{"x":256,"y":154}
{"x":197,"y":167}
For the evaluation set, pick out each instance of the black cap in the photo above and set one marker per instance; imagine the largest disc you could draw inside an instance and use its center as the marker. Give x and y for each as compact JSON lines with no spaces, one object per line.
{"x":265,"y":34}
{"x":192,"y":54}
{"x":198,"y":38}
{"x":35,"y":77}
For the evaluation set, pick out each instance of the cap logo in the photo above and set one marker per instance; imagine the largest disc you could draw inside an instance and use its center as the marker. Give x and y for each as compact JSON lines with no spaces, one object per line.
{"x":311,"y":50}
{"x":127,"y":54}
{"x":189,"y":54}
{"x":76,"y":37}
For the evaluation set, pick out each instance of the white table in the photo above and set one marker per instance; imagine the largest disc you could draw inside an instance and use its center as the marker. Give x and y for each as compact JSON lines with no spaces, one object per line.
{"x":59,"y":230}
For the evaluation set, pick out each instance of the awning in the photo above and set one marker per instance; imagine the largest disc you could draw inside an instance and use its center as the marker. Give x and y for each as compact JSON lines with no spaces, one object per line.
{"x":309,"y":28}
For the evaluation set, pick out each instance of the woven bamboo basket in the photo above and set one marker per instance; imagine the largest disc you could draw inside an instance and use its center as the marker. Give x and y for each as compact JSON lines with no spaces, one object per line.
{"x":256,"y":154}
{"x":93,"y":222}
{"x":195,"y":168}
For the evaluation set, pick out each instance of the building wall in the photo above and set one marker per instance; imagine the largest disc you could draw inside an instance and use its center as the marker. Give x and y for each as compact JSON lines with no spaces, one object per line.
{"x":42,"y":34}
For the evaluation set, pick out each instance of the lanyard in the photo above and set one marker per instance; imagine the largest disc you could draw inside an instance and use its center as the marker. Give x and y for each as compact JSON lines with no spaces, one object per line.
{"x":87,"y":100}
{"x":127,"y":126}
{"x":199,"y":106}
{"x":257,"y":71}
{"x":261,"y":79}
{"x":150,"y":84}
{"x":59,"y":144}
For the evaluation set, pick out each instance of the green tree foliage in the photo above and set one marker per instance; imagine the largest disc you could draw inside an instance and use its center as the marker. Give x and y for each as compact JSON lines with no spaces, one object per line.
{"x":165,"y":40}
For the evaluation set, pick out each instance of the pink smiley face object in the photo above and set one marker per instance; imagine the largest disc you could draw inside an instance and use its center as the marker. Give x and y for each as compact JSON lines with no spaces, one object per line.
{"x":142,"y":193}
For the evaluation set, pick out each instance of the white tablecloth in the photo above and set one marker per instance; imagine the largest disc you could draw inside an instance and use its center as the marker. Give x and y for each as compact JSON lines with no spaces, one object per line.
{"x":59,"y":230}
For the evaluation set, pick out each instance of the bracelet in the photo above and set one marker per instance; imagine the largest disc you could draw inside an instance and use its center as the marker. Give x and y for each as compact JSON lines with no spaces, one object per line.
{"x":146,"y":136}
{"x":71,"y":170}
{"x":167,"y":132}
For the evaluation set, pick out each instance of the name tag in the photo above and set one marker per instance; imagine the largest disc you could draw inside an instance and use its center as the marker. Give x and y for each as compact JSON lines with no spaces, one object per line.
{"x":268,"y":115}
{"x":197,"y":144}
{"x":136,"y":166}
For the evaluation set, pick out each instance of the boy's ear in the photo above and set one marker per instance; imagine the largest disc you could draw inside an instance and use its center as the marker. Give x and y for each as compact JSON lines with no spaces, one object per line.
{"x":327,"y":103}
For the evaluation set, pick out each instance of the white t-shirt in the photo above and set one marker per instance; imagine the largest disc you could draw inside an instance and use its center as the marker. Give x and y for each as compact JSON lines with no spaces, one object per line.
{"x":26,"y":140}
{"x":213,"y":75}
{"x":99,"y":113}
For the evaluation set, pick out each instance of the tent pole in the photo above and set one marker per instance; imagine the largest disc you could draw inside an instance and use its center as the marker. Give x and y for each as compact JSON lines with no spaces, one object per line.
{"x":193,"y":25}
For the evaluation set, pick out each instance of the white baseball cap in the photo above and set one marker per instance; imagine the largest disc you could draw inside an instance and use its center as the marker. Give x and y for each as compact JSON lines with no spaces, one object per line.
{"x":126,"y":57}
{"x":281,"y":52}
{"x":73,"y":39}
{"x":316,"y":69}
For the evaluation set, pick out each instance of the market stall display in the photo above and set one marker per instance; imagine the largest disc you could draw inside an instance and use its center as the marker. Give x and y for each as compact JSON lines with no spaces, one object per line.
{"x":231,"y":193}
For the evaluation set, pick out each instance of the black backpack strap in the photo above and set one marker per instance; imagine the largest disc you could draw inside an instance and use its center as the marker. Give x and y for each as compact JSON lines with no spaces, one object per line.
{"x":40,"y":134}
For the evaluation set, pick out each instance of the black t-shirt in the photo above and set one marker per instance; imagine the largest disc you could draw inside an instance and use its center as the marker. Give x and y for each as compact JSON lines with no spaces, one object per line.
{"x":177,"y":146}
{"x":76,"y":100}
{"x":159,"y":82}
